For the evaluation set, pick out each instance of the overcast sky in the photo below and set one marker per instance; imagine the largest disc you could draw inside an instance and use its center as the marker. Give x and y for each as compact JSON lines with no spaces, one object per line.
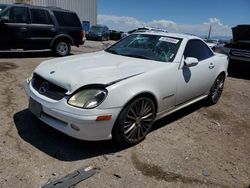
{"x":185,"y":16}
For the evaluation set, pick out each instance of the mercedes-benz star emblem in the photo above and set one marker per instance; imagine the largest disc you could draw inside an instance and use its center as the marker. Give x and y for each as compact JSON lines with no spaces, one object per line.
{"x":44,"y":87}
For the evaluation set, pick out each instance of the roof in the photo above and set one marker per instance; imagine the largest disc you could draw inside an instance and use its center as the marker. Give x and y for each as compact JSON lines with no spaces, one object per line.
{"x":36,"y":6}
{"x":177,"y":35}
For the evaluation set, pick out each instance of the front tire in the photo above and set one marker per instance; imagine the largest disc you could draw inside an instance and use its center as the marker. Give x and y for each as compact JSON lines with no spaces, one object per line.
{"x":135,"y":121}
{"x":216,"y":90}
{"x":62,"y":48}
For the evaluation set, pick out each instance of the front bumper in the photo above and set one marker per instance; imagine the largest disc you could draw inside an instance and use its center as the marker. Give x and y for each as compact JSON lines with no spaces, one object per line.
{"x":238,"y":54}
{"x":75,"y":122}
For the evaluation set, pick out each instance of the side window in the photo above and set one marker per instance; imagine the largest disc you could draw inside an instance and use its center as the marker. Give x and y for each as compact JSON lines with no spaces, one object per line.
{"x":38,"y":16}
{"x":18,"y":15}
{"x":67,"y":19}
{"x":5,"y":15}
{"x":196,"y":48}
{"x":50,"y":21}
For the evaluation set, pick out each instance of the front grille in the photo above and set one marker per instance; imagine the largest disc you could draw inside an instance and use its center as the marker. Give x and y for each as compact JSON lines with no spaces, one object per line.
{"x":240,"y":53}
{"x":50,"y":90}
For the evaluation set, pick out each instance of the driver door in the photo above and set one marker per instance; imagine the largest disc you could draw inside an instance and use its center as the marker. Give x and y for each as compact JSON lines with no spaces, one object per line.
{"x":194,"y":81}
{"x":15,"y":31}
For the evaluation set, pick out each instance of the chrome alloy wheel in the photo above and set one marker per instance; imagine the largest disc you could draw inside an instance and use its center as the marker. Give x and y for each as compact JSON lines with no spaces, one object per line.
{"x":138,"y":119}
{"x":217,"y":89}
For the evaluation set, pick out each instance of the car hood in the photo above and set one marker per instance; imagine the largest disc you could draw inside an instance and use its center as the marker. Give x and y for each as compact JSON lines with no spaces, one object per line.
{"x":241,"y":33}
{"x":74,"y":72}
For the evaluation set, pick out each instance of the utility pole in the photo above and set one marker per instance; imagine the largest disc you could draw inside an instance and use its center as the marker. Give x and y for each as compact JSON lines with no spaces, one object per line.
{"x":209,"y":33}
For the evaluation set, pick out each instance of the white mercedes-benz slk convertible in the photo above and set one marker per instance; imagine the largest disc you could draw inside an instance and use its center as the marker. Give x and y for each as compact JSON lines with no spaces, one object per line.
{"x":119,"y":92}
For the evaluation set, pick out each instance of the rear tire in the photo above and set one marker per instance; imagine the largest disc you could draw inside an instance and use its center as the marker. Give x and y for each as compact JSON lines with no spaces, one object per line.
{"x":61,"y":48}
{"x":135,"y":121}
{"x":216,"y":90}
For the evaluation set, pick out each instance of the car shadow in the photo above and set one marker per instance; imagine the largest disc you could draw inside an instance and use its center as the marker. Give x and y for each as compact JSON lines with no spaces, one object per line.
{"x":57,"y":144}
{"x":65,"y":148}
{"x":178,"y":115}
{"x":30,"y":54}
{"x":239,"y":69}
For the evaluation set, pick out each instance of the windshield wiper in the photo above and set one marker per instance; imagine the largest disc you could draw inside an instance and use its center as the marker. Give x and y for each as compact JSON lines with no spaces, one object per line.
{"x":136,"y":56}
{"x":112,"y":51}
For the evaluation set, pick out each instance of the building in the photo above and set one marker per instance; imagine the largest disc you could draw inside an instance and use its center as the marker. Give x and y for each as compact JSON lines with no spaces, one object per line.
{"x":86,"y":9}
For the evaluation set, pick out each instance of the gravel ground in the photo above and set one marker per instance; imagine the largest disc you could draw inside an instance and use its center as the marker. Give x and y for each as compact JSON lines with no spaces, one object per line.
{"x":199,"y":146}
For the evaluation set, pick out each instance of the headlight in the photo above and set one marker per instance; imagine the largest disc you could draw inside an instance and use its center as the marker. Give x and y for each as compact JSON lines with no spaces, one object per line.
{"x":88,"y":98}
{"x":29,"y":78}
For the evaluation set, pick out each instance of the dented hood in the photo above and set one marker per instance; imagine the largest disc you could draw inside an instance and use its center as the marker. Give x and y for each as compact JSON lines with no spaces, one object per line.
{"x":74,"y":72}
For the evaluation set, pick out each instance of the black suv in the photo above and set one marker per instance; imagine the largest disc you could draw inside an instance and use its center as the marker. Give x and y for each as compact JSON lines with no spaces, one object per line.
{"x":31,"y":27}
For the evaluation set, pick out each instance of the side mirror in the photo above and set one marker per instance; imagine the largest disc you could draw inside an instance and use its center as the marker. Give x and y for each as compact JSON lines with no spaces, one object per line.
{"x":191,"y":61}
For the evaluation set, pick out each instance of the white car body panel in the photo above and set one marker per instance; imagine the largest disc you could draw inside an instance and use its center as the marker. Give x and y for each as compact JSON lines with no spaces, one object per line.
{"x":190,"y":82}
{"x":101,"y":68}
{"x":173,"y":85}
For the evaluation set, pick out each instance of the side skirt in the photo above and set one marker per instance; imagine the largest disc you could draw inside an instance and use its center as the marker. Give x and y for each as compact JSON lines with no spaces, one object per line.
{"x":178,"y":107}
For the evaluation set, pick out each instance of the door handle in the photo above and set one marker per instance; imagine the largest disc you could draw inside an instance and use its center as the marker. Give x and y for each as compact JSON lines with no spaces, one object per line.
{"x":23,"y":29}
{"x":211,"y":66}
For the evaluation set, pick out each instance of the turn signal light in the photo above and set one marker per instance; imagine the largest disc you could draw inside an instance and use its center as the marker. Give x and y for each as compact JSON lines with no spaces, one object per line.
{"x":104,"y":118}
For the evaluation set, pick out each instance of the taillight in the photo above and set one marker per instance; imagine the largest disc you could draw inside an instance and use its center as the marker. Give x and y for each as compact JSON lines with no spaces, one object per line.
{"x":82,"y":33}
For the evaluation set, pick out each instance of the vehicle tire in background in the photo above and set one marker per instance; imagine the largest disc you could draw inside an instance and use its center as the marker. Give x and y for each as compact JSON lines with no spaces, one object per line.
{"x":216,"y":90}
{"x":61,"y":48}
{"x":135,"y":121}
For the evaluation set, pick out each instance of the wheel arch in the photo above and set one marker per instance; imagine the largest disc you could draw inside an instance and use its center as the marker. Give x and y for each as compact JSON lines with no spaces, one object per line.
{"x":222,"y":73}
{"x":138,"y":95}
{"x":62,"y":37}
{"x":143,"y":94}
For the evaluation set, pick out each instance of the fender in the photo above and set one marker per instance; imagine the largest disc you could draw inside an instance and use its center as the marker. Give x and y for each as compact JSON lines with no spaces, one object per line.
{"x":62,"y":36}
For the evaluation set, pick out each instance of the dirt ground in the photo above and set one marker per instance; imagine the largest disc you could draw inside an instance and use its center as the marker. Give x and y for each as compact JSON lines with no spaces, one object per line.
{"x":199,"y":146}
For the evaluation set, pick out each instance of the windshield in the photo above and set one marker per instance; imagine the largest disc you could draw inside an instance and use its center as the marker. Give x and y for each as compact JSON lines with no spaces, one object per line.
{"x":152,"y":47}
{"x":2,"y":7}
{"x":96,"y":29}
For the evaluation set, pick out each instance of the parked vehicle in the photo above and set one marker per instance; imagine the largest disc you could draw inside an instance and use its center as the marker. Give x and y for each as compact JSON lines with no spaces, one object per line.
{"x":142,"y":29}
{"x":115,"y":35}
{"x":239,"y":48}
{"x":212,"y":43}
{"x":118,"y":93}
{"x":98,"y":32}
{"x":28,"y":27}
